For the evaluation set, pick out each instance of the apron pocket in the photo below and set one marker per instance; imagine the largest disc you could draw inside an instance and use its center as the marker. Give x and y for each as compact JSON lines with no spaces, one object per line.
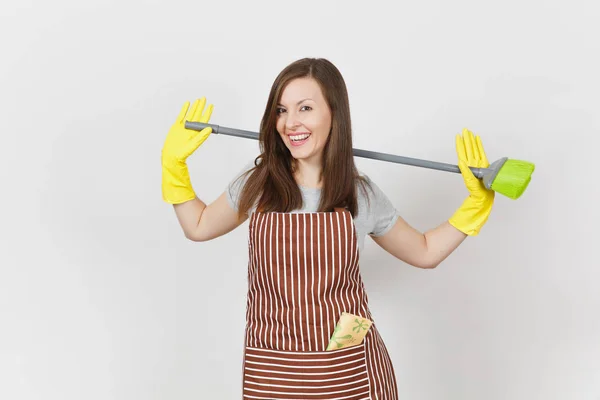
{"x":277,"y":374}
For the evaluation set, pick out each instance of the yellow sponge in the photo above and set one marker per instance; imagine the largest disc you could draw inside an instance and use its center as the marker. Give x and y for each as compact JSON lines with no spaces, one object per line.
{"x":349,"y":331}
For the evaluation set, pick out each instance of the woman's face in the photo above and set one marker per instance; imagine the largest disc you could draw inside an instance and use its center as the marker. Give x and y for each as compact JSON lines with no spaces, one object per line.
{"x":304,"y":119}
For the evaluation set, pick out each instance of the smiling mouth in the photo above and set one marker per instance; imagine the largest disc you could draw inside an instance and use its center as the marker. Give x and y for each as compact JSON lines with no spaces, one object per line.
{"x":299,"y":138}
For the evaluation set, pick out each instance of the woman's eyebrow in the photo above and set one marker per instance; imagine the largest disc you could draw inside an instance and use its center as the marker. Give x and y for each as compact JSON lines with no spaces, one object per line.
{"x":308,"y":98}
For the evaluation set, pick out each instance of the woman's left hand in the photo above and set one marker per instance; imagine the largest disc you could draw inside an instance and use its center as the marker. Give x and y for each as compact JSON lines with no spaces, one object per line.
{"x":475,"y":210}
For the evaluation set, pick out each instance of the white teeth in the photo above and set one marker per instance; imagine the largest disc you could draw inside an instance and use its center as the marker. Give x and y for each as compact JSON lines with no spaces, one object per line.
{"x":299,"y":137}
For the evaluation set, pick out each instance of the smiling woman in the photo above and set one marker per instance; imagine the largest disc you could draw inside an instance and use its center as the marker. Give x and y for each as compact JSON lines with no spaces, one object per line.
{"x":306,"y":141}
{"x":304,"y":124}
{"x":309,"y":329}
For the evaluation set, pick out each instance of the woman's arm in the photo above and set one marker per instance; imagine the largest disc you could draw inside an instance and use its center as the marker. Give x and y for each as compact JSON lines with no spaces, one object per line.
{"x":420,"y":250}
{"x":198,"y":221}
{"x":201,"y":222}
{"x":430,"y":249}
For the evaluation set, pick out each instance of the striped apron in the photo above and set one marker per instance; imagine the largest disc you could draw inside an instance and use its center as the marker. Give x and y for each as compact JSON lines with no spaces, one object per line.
{"x":303,"y":272}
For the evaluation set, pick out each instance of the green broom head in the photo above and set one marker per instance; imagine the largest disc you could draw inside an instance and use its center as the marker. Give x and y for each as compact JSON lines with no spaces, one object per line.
{"x":512,"y":178}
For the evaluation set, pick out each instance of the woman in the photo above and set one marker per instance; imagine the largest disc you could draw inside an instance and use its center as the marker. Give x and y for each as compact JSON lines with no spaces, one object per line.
{"x":309,"y":210}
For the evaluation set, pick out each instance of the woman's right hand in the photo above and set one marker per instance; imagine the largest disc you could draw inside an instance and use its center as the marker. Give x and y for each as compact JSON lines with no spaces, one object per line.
{"x":182,"y":142}
{"x":179,"y":145}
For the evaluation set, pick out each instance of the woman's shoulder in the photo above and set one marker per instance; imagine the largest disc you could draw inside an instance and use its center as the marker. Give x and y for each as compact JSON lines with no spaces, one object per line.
{"x":243,"y":172}
{"x":237,"y":183}
{"x":375,"y":210}
{"x":368,"y":192}
{"x":366,"y":185}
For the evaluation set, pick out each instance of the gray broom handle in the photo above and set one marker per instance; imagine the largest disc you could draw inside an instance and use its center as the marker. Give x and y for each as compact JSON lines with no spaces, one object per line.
{"x":478,"y":172}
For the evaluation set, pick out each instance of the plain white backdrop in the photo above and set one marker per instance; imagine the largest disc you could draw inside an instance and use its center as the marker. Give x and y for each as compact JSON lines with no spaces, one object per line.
{"x":101,"y":295}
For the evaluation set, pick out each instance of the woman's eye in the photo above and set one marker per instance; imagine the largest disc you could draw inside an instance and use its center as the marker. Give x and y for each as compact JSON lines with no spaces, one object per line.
{"x":279,"y":110}
{"x":307,"y":108}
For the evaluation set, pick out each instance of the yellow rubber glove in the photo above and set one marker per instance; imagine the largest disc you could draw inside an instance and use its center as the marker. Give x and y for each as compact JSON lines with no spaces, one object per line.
{"x":179,"y":145}
{"x":476,"y":208}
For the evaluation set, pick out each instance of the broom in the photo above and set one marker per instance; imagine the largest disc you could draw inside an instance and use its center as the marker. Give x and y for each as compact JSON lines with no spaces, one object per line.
{"x":505,"y":176}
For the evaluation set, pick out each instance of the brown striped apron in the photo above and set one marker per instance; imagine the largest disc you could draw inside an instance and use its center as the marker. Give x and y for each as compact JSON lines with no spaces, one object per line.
{"x":303,"y":272}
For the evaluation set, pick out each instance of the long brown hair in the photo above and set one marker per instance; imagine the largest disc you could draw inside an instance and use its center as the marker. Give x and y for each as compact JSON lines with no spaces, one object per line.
{"x":272,"y":180}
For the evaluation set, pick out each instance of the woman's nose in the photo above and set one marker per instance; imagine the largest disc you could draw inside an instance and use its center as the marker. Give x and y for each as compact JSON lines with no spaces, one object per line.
{"x":292,"y":122}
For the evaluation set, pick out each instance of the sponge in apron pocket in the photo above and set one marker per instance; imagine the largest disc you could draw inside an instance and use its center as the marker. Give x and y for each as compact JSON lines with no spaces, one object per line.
{"x":349,"y":331}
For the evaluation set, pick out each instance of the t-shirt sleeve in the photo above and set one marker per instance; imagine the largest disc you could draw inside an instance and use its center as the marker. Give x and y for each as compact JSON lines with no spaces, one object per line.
{"x":382,"y":214}
{"x":235,"y":186}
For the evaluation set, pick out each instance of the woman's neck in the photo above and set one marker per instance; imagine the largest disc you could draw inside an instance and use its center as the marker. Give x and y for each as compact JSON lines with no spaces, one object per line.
{"x":307,"y":174}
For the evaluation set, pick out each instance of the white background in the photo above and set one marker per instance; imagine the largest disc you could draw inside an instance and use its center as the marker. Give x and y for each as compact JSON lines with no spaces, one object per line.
{"x":102,"y":297}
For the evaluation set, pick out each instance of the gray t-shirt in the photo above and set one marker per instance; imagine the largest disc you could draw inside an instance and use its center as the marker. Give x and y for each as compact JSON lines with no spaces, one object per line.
{"x":374,"y":218}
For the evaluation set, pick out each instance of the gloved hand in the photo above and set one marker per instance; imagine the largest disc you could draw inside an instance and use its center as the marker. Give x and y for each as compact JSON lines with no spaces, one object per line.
{"x":476,"y":208}
{"x":179,"y":145}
